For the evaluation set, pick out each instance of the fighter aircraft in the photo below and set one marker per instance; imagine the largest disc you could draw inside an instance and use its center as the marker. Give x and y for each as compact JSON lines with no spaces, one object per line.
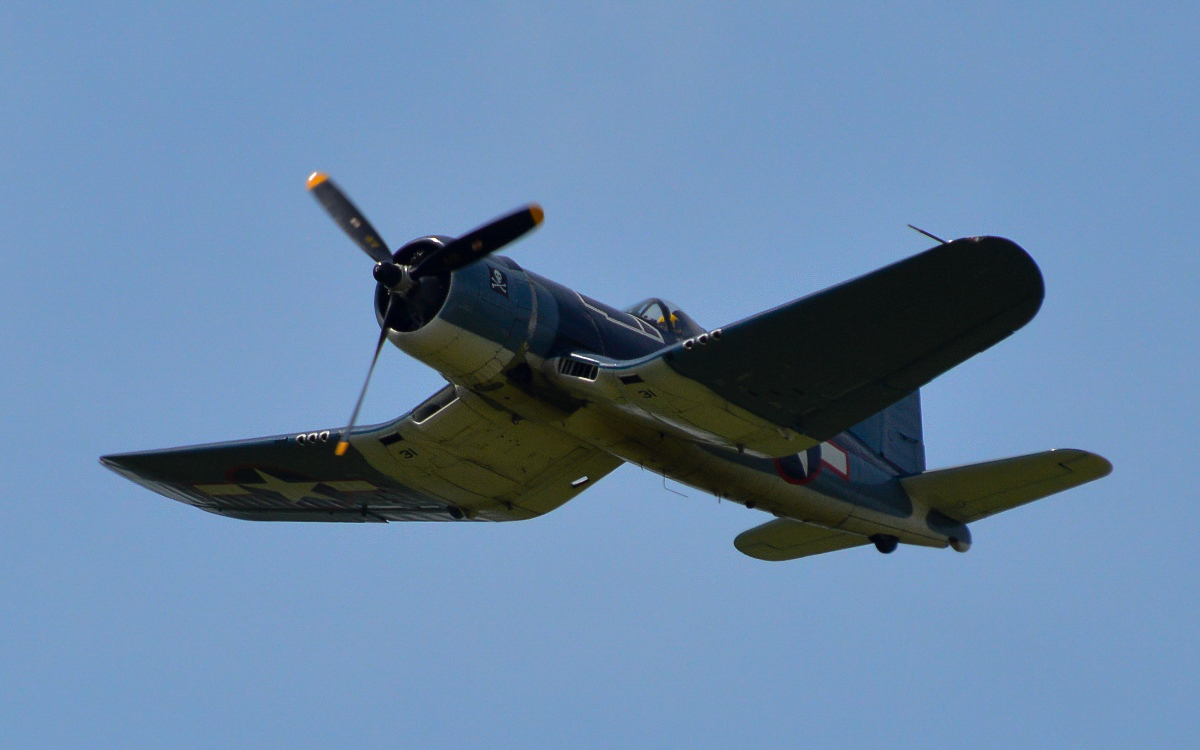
{"x":809,"y":411}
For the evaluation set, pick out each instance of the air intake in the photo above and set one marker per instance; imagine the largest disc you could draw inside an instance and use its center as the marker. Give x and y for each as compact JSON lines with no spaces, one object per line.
{"x":578,"y":368}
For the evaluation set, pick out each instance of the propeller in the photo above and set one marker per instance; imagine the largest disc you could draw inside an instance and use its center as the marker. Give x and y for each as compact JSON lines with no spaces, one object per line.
{"x":403,"y":282}
{"x":347,"y":216}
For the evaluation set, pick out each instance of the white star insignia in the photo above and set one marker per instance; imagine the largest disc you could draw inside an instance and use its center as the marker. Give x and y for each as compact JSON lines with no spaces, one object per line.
{"x":293,"y":491}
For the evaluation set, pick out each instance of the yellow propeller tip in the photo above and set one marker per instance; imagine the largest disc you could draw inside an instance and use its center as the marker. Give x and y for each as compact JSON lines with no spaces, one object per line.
{"x":341,"y":448}
{"x":537,"y":213}
{"x":314,"y":179}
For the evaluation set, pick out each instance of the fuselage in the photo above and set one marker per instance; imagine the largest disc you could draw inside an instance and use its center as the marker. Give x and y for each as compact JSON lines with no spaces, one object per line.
{"x":543,"y":352}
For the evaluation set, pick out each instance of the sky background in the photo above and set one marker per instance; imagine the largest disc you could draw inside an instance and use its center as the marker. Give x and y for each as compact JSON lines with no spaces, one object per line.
{"x":167,"y":280}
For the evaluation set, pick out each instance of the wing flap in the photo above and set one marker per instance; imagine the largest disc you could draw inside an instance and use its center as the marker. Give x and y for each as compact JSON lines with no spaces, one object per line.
{"x":784,"y":539}
{"x":969,"y":493}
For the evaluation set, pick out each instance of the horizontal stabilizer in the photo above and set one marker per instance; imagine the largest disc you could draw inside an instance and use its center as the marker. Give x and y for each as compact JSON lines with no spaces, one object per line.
{"x":783,"y":539}
{"x":969,"y":493}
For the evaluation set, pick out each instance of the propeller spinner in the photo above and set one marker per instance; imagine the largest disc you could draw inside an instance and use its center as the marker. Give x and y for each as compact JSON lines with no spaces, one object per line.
{"x":403,"y":281}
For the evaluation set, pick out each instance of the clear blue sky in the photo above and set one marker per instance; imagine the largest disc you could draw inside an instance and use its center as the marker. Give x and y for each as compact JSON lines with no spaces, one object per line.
{"x":167,"y":281}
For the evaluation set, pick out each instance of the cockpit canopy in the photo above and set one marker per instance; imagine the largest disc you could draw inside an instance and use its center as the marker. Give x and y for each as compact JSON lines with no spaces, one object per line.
{"x":666,"y":317}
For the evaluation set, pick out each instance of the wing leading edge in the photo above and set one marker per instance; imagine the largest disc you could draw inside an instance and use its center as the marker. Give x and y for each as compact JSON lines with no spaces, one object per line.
{"x":452,"y":457}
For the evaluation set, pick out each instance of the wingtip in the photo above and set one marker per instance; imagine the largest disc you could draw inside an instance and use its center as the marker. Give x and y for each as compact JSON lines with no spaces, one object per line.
{"x":1085,"y":463}
{"x":316,"y":178}
{"x":537,"y":213}
{"x":116,"y":462}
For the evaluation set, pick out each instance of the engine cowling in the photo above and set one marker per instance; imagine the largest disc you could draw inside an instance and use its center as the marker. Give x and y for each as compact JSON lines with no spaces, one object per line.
{"x":471,"y":324}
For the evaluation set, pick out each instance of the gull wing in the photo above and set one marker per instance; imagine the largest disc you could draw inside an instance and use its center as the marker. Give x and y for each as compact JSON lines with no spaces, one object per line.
{"x":823,"y":363}
{"x":454,"y":456}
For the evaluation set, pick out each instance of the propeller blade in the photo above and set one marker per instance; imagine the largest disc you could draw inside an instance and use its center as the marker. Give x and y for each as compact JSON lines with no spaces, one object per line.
{"x":344,"y":440}
{"x":348,"y":217}
{"x":480,"y":242}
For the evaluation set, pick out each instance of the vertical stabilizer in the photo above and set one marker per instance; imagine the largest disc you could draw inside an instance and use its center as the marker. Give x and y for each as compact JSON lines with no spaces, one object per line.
{"x":895,"y":434}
